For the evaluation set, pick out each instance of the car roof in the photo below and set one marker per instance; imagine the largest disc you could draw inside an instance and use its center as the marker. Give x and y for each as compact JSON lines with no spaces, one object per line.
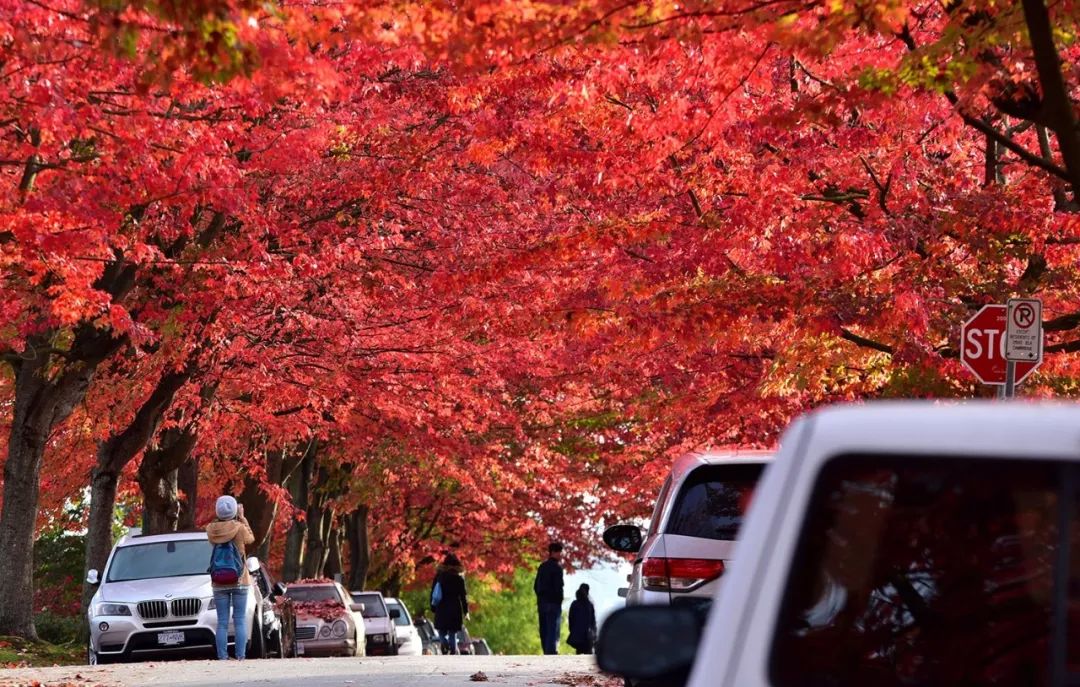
{"x":367,"y":591}
{"x":136,"y":539}
{"x":328,"y":583}
{"x":688,"y":462}
{"x":1024,"y":430}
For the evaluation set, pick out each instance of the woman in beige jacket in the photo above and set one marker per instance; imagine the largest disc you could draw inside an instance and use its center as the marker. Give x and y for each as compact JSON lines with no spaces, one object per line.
{"x":231,"y":525}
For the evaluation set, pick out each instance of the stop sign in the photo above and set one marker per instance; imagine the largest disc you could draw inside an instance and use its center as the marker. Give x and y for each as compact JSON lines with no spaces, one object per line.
{"x":982,"y":346}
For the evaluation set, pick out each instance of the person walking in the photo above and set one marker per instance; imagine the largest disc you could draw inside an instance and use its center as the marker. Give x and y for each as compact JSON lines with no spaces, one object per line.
{"x":450,"y":602}
{"x":230,"y":534}
{"x":582,"y":622}
{"x":549,"y":598}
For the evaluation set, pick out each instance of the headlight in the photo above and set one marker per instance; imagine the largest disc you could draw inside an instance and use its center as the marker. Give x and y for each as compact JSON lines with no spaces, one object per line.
{"x":112,"y":609}
{"x":340,"y":628}
{"x":325,"y":631}
{"x":380,"y":639}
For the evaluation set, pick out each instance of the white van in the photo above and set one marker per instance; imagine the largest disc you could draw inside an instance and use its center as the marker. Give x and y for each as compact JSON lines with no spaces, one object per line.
{"x":892,"y":544}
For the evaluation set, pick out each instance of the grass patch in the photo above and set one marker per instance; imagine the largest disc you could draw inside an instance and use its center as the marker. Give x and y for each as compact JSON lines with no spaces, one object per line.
{"x":19,"y":653}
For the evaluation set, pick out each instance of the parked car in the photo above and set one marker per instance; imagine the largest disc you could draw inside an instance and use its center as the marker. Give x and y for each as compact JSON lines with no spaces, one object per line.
{"x":429,"y":636}
{"x":406,"y":635}
{"x":891,"y":544}
{"x":379,"y":626}
{"x":481,"y":647}
{"x":325,"y":625}
{"x":279,"y":615}
{"x":154,"y":600}
{"x":694,"y":526}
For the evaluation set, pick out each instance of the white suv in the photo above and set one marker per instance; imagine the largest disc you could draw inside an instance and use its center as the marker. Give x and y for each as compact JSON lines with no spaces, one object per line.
{"x":154,"y":598}
{"x":695,"y":523}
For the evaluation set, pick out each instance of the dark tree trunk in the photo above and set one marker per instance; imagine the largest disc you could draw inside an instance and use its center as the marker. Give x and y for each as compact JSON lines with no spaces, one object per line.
{"x":40,"y":405}
{"x":333,"y":554}
{"x":315,"y":555}
{"x":187,"y":481}
{"x":99,"y":531}
{"x":299,"y":484}
{"x":161,"y":504}
{"x":356,"y":531}
{"x":159,"y":479}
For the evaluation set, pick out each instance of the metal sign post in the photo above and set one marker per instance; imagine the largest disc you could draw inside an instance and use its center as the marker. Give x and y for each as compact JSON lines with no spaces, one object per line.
{"x":1009,"y":390}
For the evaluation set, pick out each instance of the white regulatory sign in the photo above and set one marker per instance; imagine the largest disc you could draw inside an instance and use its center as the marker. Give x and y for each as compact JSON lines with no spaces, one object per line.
{"x":1023,"y":330}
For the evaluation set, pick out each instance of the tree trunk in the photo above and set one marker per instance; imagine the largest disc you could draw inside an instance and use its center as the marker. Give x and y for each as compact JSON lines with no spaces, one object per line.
{"x":333,"y":554}
{"x":299,"y":484}
{"x":26,"y":446}
{"x":315,"y":555}
{"x":99,"y":530}
{"x":356,"y":531}
{"x":187,"y":481}
{"x":161,"y":504}
{"x":40,"y":405}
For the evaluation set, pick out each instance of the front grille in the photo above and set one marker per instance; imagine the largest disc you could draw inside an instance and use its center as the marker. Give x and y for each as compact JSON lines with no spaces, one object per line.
{"x":171,"y":623}
{"x":305,"y":632}
{"x":153,"y":609}
{"x":186,"y":607}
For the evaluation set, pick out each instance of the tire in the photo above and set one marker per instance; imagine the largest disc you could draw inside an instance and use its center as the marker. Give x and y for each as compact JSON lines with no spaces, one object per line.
{"x":257,"y":642}
{"x":95,"y":659}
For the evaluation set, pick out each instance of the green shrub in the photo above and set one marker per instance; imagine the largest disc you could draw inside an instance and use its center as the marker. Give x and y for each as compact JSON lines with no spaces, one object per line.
{"x":59,"y":629}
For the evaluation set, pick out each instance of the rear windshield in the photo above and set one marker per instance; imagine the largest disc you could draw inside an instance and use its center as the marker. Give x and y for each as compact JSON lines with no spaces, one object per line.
{"x":916,"y":571}
{"x":713,"y":500}
{"x":319,"y":593}
{"x":183,"y":558}
{"x":373,"y":605}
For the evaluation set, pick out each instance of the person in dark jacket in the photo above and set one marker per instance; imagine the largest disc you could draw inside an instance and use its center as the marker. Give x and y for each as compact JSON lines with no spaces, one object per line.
{"x":582,"y":622}
{"x":452,"y":609}
{"x":549,"y":598}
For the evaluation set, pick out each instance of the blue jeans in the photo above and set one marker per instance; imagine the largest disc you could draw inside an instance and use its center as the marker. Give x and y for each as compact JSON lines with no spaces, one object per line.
{"x":236,"y":600}
{"x":550,"y":625}
{"x":449,"y":640}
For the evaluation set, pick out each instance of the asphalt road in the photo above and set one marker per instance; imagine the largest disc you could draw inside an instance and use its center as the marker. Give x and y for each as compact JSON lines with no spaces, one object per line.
{"x":425,"y":671}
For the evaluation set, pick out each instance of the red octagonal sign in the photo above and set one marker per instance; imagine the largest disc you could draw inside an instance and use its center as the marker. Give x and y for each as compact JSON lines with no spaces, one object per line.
{"x":982,"y":346}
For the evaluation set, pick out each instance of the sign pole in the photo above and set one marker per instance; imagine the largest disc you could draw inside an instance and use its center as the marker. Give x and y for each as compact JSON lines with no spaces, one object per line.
{"x":1010,"y":379}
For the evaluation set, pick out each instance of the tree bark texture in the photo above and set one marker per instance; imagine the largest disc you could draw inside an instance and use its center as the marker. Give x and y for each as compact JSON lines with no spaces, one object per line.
{"x":159,"y":479}
{"x":356,"y":532}
{"x":299,"y":484}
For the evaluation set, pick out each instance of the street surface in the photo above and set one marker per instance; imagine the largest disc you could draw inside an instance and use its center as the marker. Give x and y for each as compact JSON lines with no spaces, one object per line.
{"x":422,"y":671}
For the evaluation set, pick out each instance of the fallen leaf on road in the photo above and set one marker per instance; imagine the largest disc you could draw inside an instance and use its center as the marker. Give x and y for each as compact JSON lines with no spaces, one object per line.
{"x":479,"y":677}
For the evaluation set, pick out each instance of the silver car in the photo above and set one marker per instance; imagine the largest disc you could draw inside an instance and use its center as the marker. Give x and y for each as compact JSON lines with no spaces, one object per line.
{"x":154,"y":599}
{"x":691,"y":538}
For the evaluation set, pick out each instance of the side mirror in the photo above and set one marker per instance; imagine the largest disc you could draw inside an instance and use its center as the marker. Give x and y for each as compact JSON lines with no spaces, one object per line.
{"x":649,"y":642}
{"x":253,"y":564}
{"x":624,"y":538}
{"x":279,"y":589}
{"x":92,"y":576}
{"x":356,"y":608}
{"x":395,"y":614}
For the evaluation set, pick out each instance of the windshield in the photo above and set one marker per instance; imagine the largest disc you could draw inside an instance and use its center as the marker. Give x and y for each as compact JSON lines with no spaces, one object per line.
{"x":373,"y":605}
{"x":402,"y":619}
{"x":314,"y":593}
{"x":713,"y":500}
{"x":162,"y":559}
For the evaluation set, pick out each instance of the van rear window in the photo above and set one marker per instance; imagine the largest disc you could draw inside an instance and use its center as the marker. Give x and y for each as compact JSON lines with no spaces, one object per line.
{"x":917,"y":571}
{"x":713,"y":499}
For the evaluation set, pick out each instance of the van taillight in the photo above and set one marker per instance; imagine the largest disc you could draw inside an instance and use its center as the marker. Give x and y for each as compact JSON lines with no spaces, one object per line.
{"x":678,"y":574}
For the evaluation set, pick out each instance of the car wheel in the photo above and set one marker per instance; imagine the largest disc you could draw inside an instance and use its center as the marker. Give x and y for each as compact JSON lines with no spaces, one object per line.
{"x":91,"y":656}
{"x":257,"y":643}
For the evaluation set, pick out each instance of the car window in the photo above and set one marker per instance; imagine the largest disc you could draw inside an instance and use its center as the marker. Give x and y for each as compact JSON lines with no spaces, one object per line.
{"x":162,"y":559}
{"x":712,"y":500}
{"x":313,"y":593}
{"x":373,"y":605}
{"x":915,"y":571}
{"x":658,"y":509}
{"x":403,"y":619}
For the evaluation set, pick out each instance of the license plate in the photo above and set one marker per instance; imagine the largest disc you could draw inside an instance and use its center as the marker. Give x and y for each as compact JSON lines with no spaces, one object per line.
{"x":170,"y":638}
